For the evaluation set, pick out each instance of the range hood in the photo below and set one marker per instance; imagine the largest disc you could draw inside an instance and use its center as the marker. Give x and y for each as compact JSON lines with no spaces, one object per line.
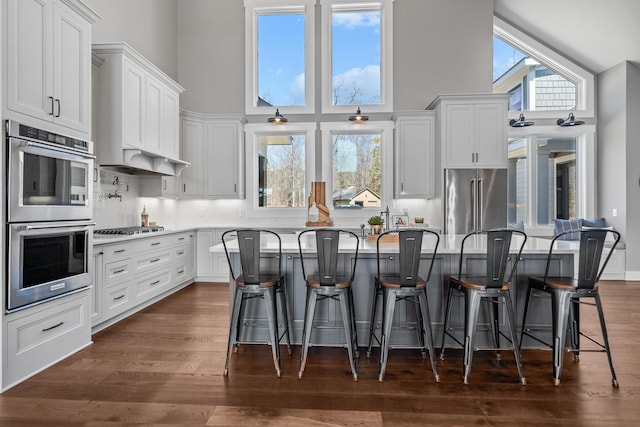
{"x":141,"y":162}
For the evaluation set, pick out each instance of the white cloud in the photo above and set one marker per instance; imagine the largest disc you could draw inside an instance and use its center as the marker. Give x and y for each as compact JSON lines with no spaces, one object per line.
{"x":351,"y":20}
{"x":365,"y":80}
{"x":297,"y":88}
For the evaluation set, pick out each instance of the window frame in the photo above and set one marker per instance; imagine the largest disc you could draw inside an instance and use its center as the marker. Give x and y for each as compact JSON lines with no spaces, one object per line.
{"x":254,"y":8}
{"x":583,"y":79}
{"x":586,"y":193}
{"x":386,"y":53}
{"x":252,"y":132}
{"x":385,"y":128}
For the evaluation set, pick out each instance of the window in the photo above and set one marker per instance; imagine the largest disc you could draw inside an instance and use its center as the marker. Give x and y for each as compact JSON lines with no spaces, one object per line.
{"x":357,"y":57}
{"x":548,"y":175}
{"x":279,"y":52}
{"x":540,"y":80}
{"x":280,"y":168}
{"x":356,"y":168}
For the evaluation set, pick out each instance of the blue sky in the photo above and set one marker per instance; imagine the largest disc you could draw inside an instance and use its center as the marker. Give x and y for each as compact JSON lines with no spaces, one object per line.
{"x":356,"y":58}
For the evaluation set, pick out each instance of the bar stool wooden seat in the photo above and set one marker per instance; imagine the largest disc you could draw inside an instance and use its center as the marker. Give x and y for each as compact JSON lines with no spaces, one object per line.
{"x":402,"y":281}
{"x":260,"y":276}
{"x":327,"y":279}
{"x":567,"y":294}
{"x":490,"y":287}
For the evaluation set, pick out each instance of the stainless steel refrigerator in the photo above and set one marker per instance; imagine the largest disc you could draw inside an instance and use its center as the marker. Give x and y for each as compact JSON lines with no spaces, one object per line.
{"x":474,"y":199}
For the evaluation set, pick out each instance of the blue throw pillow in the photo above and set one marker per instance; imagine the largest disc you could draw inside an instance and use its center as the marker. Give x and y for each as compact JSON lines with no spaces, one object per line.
{"x":594,"y":223}
{"x":560,"y":225}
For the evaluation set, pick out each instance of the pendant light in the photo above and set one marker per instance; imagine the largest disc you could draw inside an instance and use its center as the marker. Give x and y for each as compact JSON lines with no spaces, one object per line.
{"x":277,"y":118}
{"x":571,"y":121}
{"x":521,"y":122}
{"x":358,"y":117}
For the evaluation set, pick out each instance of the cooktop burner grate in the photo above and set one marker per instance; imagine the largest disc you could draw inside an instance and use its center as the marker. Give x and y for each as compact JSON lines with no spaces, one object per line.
{"x":129,"y":230}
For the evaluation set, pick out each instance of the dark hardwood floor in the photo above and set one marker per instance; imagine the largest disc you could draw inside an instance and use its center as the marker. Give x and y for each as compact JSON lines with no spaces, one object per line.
{"x":163,"y":366}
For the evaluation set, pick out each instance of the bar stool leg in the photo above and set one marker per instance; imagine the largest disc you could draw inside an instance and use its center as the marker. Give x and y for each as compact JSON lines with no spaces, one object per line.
{"x":574,"y":327}
{"x":284,"y":306}
{"x":345,"y":307}
{"x":310,"y":310}
{"x":387,"y":322}
{"x":354,"y":325}
{"x":417,"y":303}
{"x":271,"y":309}
{"x":447,"y":314}
{"x":560,"y":311}
{"x":472,"y":307}
{"x":376,"y":294}
{"x":233,"y":327}
{"x":426,"y":327}
{"x":605,"y":338}
{"x":524,"y":316}
{"x":511,"y":318}
{"x":495,"y":324}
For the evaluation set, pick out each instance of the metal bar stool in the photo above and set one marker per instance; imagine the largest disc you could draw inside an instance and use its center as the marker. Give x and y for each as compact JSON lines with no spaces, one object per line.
{"x":567,"y":294}
{"x":492,"y":288}
{"x":403,"y":283}
{"x":326,"y":279}
{"x":260,"y":277}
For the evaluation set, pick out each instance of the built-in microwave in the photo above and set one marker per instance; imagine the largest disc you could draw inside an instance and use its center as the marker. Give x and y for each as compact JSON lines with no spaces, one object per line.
{"x":46,"y":260}
{"x":49,"y":176}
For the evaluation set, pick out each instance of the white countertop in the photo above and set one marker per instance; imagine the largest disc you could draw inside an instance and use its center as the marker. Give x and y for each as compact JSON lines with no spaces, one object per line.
{"x":101,"y":239}
{"x":449,"y":244}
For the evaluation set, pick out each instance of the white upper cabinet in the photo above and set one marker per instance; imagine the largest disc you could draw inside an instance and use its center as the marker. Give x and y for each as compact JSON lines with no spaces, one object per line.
{"x":414,"y":155}
{"x":48,"y":63}
{"x":472,"y":130}
{"x":139,"y":112}
{"x":224,"y":159}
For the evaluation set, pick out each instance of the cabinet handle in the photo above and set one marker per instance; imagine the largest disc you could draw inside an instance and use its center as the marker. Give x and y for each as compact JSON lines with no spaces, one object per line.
{"x":53,"y":327}
{"x":181,"y":271}
{"x":184,"y":188}
{"x":155,"y":260}
{"x":119,"y":271}
{"x":235,"y":188}
{"x":164,"y":184}
{"x":51,"y":98}
{"x":289,"y":257}
{"x":181,"y":253}
{"x":180,"y":238}
{"x":391,"y":258}
{"x":58,"y":102}
{"x":402,"y":187}
{"x":119,"y":251}
{"x":118,"y":297}
{"x":154,"y":283}
{"x":155,"y":244}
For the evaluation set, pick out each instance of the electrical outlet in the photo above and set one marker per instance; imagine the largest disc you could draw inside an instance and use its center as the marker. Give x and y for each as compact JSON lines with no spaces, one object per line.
{"x":241,"y":212}
{"x":614,"y":212}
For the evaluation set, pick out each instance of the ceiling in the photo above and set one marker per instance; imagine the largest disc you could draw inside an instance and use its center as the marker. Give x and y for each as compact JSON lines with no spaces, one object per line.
{"x":595,"y":34}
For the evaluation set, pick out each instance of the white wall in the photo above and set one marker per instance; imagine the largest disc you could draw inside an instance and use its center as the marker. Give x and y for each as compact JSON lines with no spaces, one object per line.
{"x":148,"y":26}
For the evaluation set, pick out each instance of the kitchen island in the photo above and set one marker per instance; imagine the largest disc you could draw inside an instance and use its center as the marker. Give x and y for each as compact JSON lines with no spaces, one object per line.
{"x":531,"y":262}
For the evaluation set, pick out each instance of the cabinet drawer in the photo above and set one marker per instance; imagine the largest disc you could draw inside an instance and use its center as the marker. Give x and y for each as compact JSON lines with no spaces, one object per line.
{"x":152,"y":244}
{"x":180,"y":273}
{"x":118,"y":251}
{"x":117,"y":298}
{"x":154,"y":260}
{"x":151,"y":285}
{"x":39,"y":332}
{"x":183,"y":238}
{"x":179,"y":253}
{"x":117,"y":271}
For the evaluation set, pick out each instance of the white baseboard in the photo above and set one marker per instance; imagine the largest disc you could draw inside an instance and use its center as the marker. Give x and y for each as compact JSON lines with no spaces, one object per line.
{"x":632,"y":275}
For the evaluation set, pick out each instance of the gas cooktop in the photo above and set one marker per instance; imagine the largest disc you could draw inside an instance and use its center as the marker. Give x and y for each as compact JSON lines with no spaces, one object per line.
{"x":129,"y":230}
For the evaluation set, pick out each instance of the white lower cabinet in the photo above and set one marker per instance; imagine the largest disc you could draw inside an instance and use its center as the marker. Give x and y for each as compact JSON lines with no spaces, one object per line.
{"x":212,"y":267}
{"x":137,"y":271}
{"x":42,"y":335}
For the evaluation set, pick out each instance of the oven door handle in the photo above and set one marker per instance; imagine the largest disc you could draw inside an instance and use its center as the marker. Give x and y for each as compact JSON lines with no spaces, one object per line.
{"x":57,"y":148}
{"x":56,"y":225}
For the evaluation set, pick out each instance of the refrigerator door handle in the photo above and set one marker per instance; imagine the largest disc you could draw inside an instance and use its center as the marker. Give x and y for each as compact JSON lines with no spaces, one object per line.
{"x":480,"y":204}
{"x":474,"y":205}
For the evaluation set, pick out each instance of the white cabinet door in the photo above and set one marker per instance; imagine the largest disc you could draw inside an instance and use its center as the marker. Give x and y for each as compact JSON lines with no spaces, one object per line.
{"x":98,"y":284}
{"x":193,"y":177}
{"x":153,"y":115}
{"x":460,"y":135}
{"x":204,"y":259}
{"x":71,"y":69}
{"x":133,"y":99}
{"x":490,"y":128}
{"x":30,"y":58}
{"x":415,"y":155}
{"x":223,"y":147}
{"x":170,"y":124}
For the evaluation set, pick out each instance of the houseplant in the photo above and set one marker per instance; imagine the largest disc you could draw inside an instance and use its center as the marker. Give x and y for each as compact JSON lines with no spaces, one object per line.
{"x":376,"y":223}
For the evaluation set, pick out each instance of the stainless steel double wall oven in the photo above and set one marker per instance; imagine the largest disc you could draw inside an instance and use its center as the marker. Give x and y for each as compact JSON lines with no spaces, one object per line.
{"x":49,"y":191}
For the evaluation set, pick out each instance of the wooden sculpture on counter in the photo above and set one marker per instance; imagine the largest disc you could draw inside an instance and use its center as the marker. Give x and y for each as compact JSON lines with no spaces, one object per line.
{"x":317,"y":202}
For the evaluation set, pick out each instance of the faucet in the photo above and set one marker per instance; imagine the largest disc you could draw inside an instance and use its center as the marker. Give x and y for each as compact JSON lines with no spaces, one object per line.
{"x":386,"y":219}
{"x":115,"y":195}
